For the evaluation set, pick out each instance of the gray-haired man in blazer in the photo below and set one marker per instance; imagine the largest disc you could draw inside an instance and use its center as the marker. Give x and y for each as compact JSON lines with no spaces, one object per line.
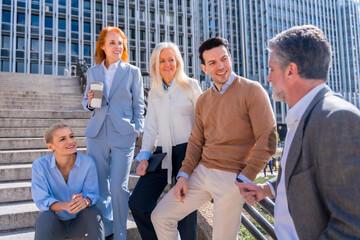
{"x":317,"y":192}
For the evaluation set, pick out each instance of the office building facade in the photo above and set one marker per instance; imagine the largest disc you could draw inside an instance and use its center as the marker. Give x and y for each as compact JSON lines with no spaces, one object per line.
{"x":49,"y":36}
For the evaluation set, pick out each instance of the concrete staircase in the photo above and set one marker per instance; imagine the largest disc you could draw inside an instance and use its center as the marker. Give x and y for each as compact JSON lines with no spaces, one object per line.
{"x":30,"y":103}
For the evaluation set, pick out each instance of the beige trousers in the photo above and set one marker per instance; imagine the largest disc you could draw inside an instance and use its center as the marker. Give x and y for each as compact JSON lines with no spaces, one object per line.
{"x":204,"y":184}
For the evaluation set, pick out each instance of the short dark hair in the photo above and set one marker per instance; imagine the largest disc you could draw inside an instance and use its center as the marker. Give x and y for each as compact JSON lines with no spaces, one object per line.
{"x":307,"y":47}
{"x":211,"y":43}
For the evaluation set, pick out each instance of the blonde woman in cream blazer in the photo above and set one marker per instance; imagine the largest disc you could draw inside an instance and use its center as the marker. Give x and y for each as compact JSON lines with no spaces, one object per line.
{"x":170,"y":118}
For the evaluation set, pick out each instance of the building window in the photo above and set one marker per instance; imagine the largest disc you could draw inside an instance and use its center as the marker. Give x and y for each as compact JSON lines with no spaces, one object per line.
{"x":143,"y":56}
{"x":74,"y":26}
{"x":35,"y":45}
{"x":34,"y":68}
{"x":98,"y":28}
{"x":110,"y":8}
{"x":35,"y":20}
{"x":20,"y":67}
{"x":5,"y":66}
{"x":62,"y":24}
{"x":6,"y":16}
{"x":48,"y":69}
{"x":20,"y":18}
{"x":189,"y":22}
{"x":121,"y":10}
{"x":20,"y":43}
{"x":142,"y":35}
{"x":87,"y":27}
{"x":74,"y":3}
{"x":5,"y":42}
{"x":48,"y":22}
{"x":61,"y":48}
{"x":180,"y":21}
{"x":61,"y":69}
{"x":87,"y":50}
{"x":48,"y":46}
{"x":62,"y":3}
{"x":74,"y":49}
{"x":87,"y":5}
{"x":98,"y":7}
{"x":132,"y":33}
{"x":162,"y":37}
{"x":152,"y":36}
{"x":132,"y":12}
{"x":132,"y":55}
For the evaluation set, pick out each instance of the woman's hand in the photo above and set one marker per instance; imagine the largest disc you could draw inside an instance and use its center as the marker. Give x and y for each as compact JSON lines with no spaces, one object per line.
{"x":90,"y":97}
{"x":77,"y":203}
{"x":141,"y":169}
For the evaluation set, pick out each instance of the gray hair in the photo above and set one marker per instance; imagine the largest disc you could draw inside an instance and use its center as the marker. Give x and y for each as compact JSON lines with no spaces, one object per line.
{"x":180,"y":75}
{"x":307,"y":47}
{"x":48,"y":136}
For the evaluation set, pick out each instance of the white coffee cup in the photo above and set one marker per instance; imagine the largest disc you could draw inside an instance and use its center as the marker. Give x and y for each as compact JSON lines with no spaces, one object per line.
{"x":97,"y":89}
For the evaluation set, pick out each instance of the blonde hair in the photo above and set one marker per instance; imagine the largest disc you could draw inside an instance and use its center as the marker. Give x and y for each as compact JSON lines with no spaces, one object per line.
{"x":48,"y":136}
{"x":180,"y":76}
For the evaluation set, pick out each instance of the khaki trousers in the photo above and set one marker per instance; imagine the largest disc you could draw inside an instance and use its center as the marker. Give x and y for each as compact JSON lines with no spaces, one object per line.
{"x":204,"y":184}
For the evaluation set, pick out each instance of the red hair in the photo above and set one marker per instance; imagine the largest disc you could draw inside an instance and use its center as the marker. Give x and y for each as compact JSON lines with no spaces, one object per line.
{"x":99,"y":53}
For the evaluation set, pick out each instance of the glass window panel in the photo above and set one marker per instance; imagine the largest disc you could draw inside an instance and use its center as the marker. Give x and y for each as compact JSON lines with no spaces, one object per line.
{"x":87,"y":50}
{"x":20,"y":18}
{"x":98,"y":28}
{"x":49,"y":1}
{"x":61,"y":69}
{"x":74,"y":3}
{"x":61,"y":48}
{"x":48,"y":69}
{"x":142,"y":35}
{"x":5,"y":66}
{"x":62,"y":24}
{"x":6,"y":16}
{"x":34,"y":20}
{"x":87,"y":27}
{"x":34,"y":45}
{"x":48,"y":22}
{"x":20,"y":67}
{"x":48,"y":46}
{"x":34,"y":68}
{"x":20,"y":43}
{"x":7,"y":2}
{"x":98,"y":7}
{"x":74,"y":49}
{"x":121,"y":10}
{"x":74,"y":26}
{"x":110,"y":8}
{"x":87,"y":5}
{"x":62,"y":2}
{"x":5,"y":42}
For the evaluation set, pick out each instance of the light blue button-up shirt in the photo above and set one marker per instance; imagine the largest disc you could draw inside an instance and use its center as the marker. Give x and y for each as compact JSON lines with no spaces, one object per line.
{"x":48,"y":185}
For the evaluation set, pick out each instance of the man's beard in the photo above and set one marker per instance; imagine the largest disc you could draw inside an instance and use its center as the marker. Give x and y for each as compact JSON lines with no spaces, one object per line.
{"x":278,"y":96}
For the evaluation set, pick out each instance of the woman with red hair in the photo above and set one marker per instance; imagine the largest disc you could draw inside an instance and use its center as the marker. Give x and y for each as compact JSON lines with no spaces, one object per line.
{"x":114,"y":127}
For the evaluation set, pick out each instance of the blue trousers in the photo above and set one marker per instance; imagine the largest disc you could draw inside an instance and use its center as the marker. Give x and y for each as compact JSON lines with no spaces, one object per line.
{"x":113,"y":154}
{"x":49,"y":226}
{"x":146,"y":193}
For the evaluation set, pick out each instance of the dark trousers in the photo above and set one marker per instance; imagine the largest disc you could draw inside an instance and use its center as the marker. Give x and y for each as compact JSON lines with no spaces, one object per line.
{"x":146,"y":193}
{"x":89,"y":220}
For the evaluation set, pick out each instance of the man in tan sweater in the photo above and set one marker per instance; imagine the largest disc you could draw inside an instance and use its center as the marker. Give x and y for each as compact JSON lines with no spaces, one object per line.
{"x":234,"y":135}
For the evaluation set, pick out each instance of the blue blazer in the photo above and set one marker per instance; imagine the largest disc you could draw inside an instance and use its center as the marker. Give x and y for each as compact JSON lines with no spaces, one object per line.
{"x":125,"y":103}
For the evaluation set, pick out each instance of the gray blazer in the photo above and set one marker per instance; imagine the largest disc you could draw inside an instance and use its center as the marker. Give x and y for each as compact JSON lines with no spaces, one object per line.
{"x":322,"y":173}
{"x":125,"y":103}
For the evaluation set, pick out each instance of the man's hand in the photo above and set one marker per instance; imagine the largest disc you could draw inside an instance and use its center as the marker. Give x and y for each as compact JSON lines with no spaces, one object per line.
{"x":141,"y":168}
{"x":253,"y":193}
{"x":181,"y":188}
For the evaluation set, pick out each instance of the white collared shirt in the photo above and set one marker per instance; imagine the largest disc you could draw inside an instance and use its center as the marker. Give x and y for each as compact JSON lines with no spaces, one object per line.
{"x":109,"y":75}
{"x":226,"y":85}
{"x":284,"y":224}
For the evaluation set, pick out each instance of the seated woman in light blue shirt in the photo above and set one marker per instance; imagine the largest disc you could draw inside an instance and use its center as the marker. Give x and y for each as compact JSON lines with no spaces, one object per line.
{"x":64,"y":186}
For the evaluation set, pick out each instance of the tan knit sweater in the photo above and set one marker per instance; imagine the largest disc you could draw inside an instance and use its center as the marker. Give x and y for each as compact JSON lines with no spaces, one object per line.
{"x":234,"y":131}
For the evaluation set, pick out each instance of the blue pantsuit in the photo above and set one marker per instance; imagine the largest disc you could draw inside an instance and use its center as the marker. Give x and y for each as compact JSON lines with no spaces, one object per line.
{"x":110,"y":137}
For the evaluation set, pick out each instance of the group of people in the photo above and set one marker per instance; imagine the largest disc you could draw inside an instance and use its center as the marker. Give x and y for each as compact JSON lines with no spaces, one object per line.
{"x":215,"y":142}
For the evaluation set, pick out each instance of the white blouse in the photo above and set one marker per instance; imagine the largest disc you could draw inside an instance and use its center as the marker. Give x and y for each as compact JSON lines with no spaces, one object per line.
{"x":170,"y":118}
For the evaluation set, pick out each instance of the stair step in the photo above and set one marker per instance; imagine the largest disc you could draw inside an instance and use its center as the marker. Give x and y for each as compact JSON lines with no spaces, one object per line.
{"x":132,"y":233}
{"x":26,"y":156}
{"x":40,"y":107}
{"x":22,"y":172}
{"x":16,"y":172}
{"x":16,"y":113}
{"x":33,"y":132}
{"x":17,"y":215}
{"x":30,"y":143}
{"x":43,"y":123}
{"x":15,"y":192}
